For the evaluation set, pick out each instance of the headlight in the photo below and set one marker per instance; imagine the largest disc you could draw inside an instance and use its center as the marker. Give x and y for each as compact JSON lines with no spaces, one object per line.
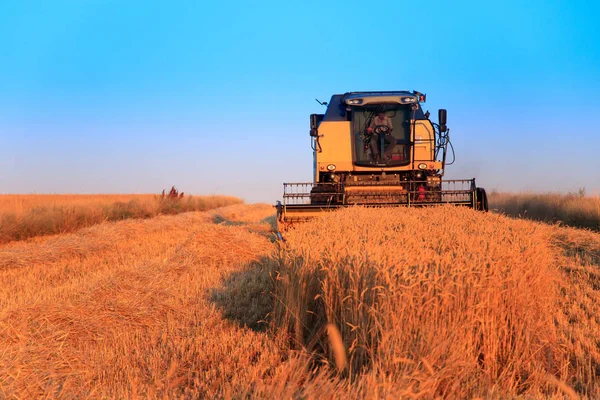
{"x":421,"y":166}
{"x":331,"y":167}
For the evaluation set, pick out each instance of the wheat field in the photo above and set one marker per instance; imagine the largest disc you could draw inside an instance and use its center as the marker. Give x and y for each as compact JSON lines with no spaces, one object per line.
{"x":362,"y":303}
{"x":445,"y":302}
{"x":20,"y":204}
{"x":27,"y":216}
{"x":573,"y":209}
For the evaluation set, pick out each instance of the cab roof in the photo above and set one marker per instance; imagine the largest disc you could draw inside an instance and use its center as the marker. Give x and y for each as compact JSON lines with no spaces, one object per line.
{"x":387,"y":97}
{"x":338,"y":105}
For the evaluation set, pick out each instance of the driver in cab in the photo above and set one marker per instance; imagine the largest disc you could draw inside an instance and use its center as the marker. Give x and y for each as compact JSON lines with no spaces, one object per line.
{"x":381,"y":127}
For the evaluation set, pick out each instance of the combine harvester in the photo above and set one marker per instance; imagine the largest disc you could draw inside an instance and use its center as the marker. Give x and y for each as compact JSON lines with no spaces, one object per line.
{"x":377,"y":149}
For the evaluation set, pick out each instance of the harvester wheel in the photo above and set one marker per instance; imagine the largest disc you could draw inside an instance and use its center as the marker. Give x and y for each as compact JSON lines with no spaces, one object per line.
{"x":482,"y":202}
{"x":323,"y":194}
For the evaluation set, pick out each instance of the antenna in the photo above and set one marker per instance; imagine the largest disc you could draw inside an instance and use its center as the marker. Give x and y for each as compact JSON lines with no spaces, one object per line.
{"x":323,"y":103}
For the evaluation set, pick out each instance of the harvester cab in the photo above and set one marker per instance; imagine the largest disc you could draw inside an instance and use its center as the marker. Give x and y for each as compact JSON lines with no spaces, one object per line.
{"x":377,"y":149}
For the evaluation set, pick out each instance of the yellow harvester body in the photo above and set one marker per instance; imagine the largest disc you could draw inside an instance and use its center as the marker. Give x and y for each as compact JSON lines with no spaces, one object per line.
{"x":376,"y":149}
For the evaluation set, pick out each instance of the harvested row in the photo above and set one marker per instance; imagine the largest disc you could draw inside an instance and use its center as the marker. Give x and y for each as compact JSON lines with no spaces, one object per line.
{"x":131,"y":308}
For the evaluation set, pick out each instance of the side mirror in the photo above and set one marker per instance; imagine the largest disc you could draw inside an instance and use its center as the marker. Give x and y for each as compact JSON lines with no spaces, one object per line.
{"x":315,"y":120}
{"x":442,"y":115}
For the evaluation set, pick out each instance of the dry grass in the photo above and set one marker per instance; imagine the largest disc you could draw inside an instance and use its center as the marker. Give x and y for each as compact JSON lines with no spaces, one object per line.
{"x":27,"y":216}
{"x":361,"y":304}
{"x":573,"y":209}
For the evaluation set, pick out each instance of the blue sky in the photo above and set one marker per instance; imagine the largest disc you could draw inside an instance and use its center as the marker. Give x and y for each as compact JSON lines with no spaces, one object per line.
{"x":214,"y":97}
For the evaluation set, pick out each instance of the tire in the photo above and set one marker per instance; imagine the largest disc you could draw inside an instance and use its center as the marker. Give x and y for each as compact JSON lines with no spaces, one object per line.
{"x":324,"y":194}
{"x":482,"y":201}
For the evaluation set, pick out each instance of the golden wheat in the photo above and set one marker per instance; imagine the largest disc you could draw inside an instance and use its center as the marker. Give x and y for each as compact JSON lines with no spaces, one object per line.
{"x":27,"y":216}
{"x":445,"y":301}
{"x":571,"y":209}
{"x":20,"y":204}
{"x":364,"y":303}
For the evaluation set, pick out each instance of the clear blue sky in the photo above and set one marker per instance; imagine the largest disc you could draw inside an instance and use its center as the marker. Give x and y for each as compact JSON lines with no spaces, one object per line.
{"x":214,"y":97}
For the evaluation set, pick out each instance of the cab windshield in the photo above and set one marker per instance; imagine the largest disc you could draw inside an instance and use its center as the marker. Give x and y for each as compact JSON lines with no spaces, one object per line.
{"x":381,"y":135}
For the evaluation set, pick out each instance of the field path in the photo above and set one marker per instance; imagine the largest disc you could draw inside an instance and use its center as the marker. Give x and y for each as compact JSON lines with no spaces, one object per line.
{"x":136,"y":307}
